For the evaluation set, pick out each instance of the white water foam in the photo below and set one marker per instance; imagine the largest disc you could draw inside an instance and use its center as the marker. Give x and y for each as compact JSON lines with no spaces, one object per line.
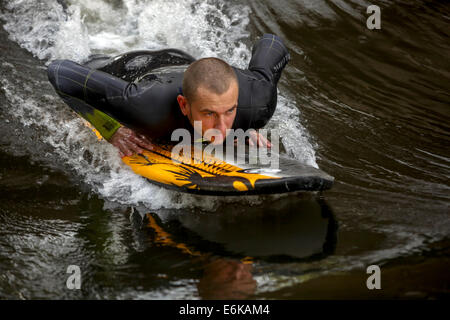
{"x":45,"y":29}
{"x":202,"y":28}
{"x":294,"y":136}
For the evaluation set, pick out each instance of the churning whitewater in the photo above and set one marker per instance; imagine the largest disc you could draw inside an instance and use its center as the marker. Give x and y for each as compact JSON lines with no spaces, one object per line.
{"x":50,"y":30}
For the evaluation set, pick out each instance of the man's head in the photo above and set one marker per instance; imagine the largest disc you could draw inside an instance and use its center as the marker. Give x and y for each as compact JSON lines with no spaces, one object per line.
{"x":210,"y":95}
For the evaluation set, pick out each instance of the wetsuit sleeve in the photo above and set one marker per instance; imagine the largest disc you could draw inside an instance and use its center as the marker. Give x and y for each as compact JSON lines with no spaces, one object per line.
{"x":269,"y":57}
{"x":104,"y":124}
{"x":151,"y":110}
{"x":86,"y":90}
{"x":258,"y":83}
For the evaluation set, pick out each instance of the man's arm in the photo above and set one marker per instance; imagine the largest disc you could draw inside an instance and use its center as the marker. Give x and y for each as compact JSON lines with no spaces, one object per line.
{"x":81,"y":87}
{"x":258,"y":86}
{"x":145,"y":109}
{"x":258,"y":83}
{"x":269,"y":57}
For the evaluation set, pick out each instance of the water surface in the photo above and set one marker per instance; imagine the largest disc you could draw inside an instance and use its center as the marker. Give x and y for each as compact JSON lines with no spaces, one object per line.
{"x":370,"y":107}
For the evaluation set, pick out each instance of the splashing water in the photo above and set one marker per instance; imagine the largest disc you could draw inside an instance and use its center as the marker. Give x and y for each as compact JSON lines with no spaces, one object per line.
{"x":74,"y":31}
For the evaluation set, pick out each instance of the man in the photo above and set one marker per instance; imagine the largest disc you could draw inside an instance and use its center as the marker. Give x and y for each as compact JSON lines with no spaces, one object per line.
{"x":137,"y":97}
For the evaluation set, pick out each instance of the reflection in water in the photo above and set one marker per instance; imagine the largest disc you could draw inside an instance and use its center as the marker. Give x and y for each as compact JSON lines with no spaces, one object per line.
{"x":227,"y":279}
{"x":228,"y":244}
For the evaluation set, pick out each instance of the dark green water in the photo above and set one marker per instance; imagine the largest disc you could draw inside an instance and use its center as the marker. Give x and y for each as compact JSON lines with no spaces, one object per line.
{"x":374,"y":109}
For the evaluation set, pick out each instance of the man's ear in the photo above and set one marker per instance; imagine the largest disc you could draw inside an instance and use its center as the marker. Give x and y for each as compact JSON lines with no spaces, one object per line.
{"x":182,"y":102}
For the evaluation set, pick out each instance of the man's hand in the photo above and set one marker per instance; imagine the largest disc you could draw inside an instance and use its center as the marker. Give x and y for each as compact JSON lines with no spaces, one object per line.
{"x":129,"y":142}
{"x":258,"y":139}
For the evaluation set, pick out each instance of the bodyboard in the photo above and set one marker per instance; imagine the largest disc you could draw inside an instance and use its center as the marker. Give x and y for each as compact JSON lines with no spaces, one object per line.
{"x":202,"y":173}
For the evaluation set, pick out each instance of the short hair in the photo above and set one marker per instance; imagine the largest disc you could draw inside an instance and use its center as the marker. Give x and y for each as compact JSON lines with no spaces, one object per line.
{"x":213,"y":74}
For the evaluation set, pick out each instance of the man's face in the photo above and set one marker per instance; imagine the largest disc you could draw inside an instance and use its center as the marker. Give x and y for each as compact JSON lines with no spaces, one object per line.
{"x":213,"y":110}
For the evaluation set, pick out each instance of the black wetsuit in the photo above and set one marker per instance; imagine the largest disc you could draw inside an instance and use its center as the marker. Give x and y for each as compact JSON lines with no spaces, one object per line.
{"x":139,"y":89}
